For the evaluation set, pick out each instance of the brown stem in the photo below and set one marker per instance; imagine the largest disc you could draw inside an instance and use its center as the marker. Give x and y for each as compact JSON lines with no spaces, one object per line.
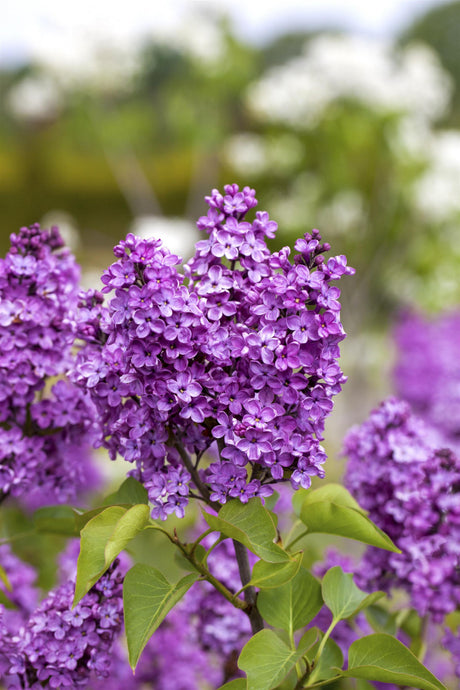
{"x":250,"y":594}
{"x":202,"y":488}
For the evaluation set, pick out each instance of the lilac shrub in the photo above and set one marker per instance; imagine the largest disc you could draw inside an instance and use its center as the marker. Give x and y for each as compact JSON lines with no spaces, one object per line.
{"x":47,"y":425}
{"x":410,"y":487}
{"x":237,"y":353}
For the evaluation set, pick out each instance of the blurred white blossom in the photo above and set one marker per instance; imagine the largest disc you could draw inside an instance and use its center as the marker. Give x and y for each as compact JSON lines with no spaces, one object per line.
{"x":252,"y":154}
{"x":411,"y":138}
{"x":369,"y":71}
{"x":197,"y":34}
{"x":67,"y":225}
{"x":92,"y":59}
{"x":297,"y":207}
{"x":437,"y":192}
{"x":247,"y":153}
{"x":344,"y":213}
{"x":34,"y":98}
{"x":177,"y":234}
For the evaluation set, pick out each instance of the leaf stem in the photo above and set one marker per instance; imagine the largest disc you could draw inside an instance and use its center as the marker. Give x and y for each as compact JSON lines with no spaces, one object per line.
{"x":323,"y":642}
{"x":328,"y":681}
{"x":298,"y":538}
{"x":202,"y":488}
{"x":250,"y":595}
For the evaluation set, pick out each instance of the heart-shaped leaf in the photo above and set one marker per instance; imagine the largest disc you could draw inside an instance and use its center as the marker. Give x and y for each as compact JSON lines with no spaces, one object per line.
{"x":342,"y":596}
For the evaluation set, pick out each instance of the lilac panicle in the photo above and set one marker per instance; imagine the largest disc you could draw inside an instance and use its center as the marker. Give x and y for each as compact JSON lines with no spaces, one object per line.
{"x":427,"y":371}
{"x":59,"y":647}
{"x":46,"y":431}
{"x":410,"y":487}
{"x":238,"y":353}
{"x":22,"y":593}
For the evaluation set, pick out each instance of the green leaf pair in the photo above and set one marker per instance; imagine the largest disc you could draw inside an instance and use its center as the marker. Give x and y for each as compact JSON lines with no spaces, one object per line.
{"x":102,"y":538}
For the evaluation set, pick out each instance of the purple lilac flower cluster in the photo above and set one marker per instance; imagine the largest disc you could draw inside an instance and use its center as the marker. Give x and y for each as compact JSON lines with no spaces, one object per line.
{"x":44,"y":436}
{"x":240,"y":352}
{"x":410,"y":488}
{"x":22,"y":591}
{"x":61,"y":646}
{"x":431,"y":346}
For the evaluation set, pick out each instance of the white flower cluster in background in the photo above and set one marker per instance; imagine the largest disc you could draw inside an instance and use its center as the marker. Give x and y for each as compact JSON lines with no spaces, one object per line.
{"x":369,"y":71}
{"x":252,"y":154}
{"x":179,"y":235}
{"x":345,"y":213}
{"x":104,"y":58}
{"x":437,"y":192}
{"x":197,"y":35}
{"x":36,"y":97}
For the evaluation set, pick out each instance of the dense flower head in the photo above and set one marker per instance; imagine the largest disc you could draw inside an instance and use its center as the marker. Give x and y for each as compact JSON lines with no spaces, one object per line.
{"x":409,"y":485}
{"x":46,"y":431}
{"x":63,"y":646}
{"x":239,"y":353}
{"x":431,"y":345}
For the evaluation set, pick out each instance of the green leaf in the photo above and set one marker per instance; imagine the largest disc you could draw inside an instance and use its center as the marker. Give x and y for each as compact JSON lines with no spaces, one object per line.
{"x":268,"y":575}
{"x":267,"y":660}
{"x":270,"y":501}
{"x":381,"y":620}
{"x":335,"y":493}
{"x":332,"y":510}
{"x":131,"y":492}
{"x":292,"y":605}
{"x":331,"y":658}
{"x":102,"y":539}
{"x":7,"y":603}
{"x":309,"y":639}
{"x":383,"y":658}
{"x":362,"y":684}
{"x":238,"y":684}
{"x":342,"y":596}
{"x":185,"y":564}
{"x":4,"y":578}
{"x":82,"y":518}
{"x":252,"y":525}
{"x":147,"y":598}
{"x":56,"y":520}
